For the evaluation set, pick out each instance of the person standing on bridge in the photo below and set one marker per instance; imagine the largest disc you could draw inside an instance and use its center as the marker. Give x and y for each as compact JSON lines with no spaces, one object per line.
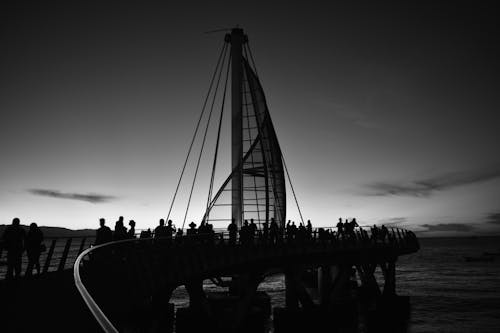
{"x":103,"y":234}
{"x":244,"y":233}
{"x":309,"y":229}
{"x":273,"y":231}
{"x":232,"y":228}
{"x":265,"y":232}
{"x":131,"y":230}
{"x":170,"y":229}
{"x":34,"y":241}
{"x":340,"y":227}
{"x":14,"y":237}
{"x":161,"y":230}
{"x":120,"y":230}
{"x":252,"y":231}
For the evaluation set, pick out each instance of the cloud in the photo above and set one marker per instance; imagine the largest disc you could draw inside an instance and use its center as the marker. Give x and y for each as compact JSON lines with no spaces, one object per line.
{"x":493,"y":218}
{"x":394,"y":221}
{"x":89,"y":197}
{"x":426,"y":187}
{"x":448,"y":227}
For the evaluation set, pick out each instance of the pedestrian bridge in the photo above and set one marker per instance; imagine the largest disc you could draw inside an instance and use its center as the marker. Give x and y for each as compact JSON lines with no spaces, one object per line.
{"x":116,"y":277}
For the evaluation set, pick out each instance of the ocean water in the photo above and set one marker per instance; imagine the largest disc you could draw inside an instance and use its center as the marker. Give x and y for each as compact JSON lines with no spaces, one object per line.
{"x":447,"y":293}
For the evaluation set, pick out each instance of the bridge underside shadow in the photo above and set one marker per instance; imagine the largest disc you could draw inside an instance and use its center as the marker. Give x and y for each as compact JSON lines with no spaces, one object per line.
{"x":45,"y":303}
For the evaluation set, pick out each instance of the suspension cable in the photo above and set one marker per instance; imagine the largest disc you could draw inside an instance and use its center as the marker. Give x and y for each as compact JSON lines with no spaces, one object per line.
{"x":251,"y":57}
{"x":224,"y":47}
{"x":209,"y":199}
{"x":291,"y":186}
{"x":203,"y":141}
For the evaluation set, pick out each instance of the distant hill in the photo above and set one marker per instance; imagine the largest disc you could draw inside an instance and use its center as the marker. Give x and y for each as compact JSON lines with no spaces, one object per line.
{"x":56,"y":231}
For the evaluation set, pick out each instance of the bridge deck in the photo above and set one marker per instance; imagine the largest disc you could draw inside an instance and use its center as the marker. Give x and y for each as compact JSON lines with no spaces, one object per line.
{"x":118,"y":274}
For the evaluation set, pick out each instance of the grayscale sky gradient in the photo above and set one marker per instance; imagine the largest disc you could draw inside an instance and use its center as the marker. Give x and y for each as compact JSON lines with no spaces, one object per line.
{"x":384,"y":113}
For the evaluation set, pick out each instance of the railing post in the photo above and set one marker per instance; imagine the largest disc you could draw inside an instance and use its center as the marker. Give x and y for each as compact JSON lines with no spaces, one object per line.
{"x":49,"y":257}
{"x":82,"y":244}
{"x":64,"y":256}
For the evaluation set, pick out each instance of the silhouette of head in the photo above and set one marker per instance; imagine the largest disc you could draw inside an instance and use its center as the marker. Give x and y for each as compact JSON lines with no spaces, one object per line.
{"x":162,"y":222}
{"x":131,"y":223}
{"x":169,"y":222}
{"x":16,"y":221}
{"x":102,"y":222}
{"x":33,"y":226}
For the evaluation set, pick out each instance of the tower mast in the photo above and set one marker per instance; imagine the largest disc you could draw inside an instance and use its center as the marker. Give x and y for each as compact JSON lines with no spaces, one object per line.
{"x":237,"y":40}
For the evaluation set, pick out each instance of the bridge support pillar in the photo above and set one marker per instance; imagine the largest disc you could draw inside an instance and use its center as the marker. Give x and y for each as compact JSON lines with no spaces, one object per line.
{"x":326,"y":276}
{"x":291,"y":298}
{"x":389,"y":271}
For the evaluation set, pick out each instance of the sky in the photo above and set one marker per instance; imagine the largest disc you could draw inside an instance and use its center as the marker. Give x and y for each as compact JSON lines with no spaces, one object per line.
{"x":387,"y":113}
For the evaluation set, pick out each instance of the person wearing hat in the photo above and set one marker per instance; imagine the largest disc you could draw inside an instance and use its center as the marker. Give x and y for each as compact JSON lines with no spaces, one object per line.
{"x":192,"y":229}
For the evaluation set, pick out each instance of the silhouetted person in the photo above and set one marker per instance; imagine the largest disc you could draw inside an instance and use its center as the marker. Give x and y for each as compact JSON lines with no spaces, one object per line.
{"x":309,"y":228}
{"x":14,"y":237}
{"x":273,"y":231}
{"x":232,"y":228}
{"x":244,"y":233}
{"x":265,"y":232}
{"x":293,"y":231}
{"x":252,"y":230}
{"x":191,"y":232}
{"x":103,"y":234}
{"x":170,"y":229}
{"x":384,"y":233}
{"x":131,"y":230}
{"x":340,"y":227}
{"x":34,"y":241}
{"x":375,"y":233}
{"x":161,"y":230}
{"x":120,"y":230}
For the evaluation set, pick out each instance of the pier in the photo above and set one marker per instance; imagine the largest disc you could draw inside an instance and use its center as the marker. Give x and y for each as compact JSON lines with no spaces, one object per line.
{"x":119,"y":280}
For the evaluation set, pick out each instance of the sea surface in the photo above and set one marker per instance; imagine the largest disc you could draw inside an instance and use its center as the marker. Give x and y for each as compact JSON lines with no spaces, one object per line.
{"x":447,"y":293}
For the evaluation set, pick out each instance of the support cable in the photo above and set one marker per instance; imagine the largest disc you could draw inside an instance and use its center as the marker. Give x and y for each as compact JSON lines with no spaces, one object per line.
{"x":291,"y":186}
{"x":251,"y":57}
{"x":203,"y":142}
{"x":224,"y":47}
{"x":209,"y":199}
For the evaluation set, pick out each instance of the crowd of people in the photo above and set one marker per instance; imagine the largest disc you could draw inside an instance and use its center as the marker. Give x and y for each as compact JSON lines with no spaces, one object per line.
{"x":16,"y":240}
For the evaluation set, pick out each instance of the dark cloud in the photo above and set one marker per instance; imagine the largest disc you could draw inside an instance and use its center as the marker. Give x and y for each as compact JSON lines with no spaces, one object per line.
{"x":448,"y":227}
{"x":425,"y":187}
{"x":493,"y":218}
{"x":89,"y":197}
{"x":394,"y":221}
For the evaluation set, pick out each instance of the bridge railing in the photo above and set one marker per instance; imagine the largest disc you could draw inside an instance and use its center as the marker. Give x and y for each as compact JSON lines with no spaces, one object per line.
{"x":119,"y":274}
{"x":59,"y":253}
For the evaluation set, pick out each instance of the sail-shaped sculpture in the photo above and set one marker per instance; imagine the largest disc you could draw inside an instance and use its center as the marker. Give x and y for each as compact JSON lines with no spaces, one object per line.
{"x":255,"y":189}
